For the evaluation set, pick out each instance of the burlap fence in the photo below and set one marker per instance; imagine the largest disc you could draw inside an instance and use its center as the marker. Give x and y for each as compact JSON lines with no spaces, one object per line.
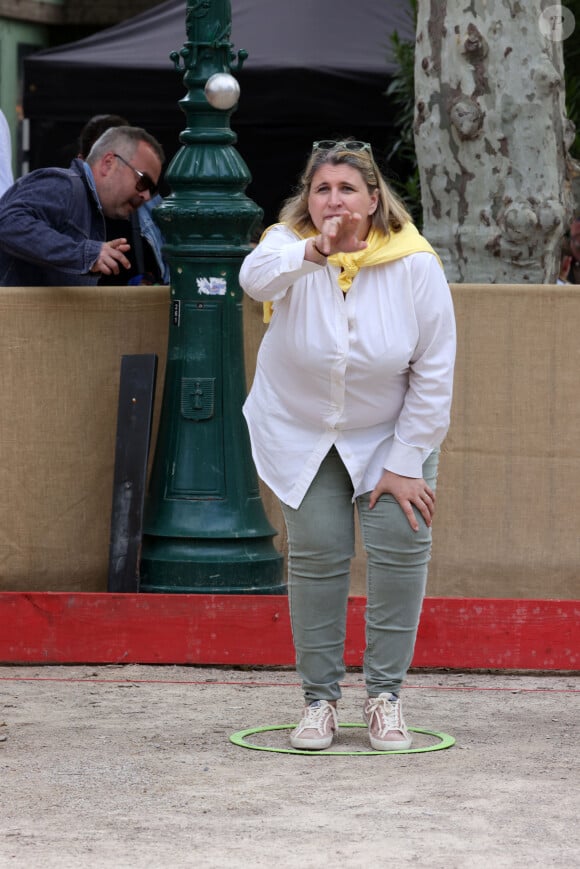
{"x":507,"y":519}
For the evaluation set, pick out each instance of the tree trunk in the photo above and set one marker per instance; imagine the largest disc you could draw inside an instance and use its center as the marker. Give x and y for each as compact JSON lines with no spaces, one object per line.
{"x":492,"y":138}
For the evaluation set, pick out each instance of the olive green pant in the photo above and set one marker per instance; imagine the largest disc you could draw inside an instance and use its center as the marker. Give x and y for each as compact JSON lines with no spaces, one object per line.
{"x":321,"y":547}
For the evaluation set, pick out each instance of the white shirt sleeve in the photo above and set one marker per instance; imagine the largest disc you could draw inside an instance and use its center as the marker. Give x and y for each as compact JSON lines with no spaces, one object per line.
{"x":6,"y":177}
{"x":274,"y":265}
{"x":425,"y":415}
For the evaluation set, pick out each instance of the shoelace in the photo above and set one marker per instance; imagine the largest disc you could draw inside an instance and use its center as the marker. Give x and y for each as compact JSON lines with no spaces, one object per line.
{"x":313,"y":718}
{"x":388,"y":714}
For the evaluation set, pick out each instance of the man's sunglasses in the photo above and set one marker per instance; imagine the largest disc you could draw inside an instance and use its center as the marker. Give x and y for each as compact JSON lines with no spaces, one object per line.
{"x":144,"y":181}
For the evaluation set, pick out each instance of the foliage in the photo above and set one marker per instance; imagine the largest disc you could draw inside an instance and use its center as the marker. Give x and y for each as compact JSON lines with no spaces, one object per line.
{"x":401,"y":90}
{"x":572,"y":73}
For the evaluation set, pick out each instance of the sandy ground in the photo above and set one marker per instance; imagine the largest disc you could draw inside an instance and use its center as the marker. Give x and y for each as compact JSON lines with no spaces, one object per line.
{"x":133,"y":767}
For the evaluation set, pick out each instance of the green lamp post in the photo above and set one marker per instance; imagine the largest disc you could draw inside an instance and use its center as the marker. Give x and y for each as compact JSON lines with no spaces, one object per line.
{"x":205,"y":529}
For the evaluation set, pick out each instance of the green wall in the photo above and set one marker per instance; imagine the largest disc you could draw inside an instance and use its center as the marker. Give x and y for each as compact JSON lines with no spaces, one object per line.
{"x":16,"y":39}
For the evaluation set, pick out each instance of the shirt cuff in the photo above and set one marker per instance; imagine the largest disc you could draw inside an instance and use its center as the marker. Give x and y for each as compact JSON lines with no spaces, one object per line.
{"x":292,"y":259}
{"x":406,"y":460}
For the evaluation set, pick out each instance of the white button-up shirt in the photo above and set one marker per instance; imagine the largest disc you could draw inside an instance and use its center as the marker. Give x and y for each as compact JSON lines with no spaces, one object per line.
{"x":370,"y":372}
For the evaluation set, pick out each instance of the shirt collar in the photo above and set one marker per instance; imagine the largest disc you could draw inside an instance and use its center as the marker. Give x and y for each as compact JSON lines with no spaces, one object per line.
{"x":91,"y":182}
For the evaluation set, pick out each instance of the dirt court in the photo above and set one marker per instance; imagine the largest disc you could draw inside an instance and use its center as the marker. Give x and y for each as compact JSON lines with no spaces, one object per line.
{"x":132,"y":766}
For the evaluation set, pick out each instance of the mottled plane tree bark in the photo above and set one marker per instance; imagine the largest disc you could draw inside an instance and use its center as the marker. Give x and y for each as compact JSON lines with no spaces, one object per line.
{"x":492,"y":137}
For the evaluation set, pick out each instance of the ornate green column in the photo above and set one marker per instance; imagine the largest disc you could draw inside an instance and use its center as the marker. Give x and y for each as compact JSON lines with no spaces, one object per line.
{"x":205,"y":529}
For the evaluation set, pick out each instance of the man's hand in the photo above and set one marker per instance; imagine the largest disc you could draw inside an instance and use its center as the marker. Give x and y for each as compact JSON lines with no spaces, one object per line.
{"x":408,"y":492}
{"x":112,"y":257}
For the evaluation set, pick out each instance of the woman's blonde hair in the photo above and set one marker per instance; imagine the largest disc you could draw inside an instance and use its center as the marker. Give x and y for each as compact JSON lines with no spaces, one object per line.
{"x":390,"y":214}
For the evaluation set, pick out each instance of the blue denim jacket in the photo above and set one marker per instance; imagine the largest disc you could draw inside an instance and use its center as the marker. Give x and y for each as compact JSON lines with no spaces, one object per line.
{"x":51,"y":229}
{"x":150,"y":231}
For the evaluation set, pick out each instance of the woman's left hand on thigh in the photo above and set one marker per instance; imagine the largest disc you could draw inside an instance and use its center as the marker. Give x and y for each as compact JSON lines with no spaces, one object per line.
{"x":409,"y":492}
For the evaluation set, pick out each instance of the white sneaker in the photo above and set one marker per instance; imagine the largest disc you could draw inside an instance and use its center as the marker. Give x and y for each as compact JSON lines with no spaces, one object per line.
{"x":317,"y":727}
{"x":387,"y":729}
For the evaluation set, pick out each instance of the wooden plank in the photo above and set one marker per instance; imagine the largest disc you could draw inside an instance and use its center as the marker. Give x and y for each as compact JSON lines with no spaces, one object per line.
{"x":134,"y":421}
{"x":455,"y":633}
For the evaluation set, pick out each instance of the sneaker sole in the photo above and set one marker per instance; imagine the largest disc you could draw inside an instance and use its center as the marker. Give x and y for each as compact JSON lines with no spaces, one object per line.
{"x":390,"y":744}
{"x":311,"y":744}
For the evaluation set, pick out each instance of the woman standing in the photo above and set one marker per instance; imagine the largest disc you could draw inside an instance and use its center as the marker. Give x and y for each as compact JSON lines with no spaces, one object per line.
{"x":349,"y":405}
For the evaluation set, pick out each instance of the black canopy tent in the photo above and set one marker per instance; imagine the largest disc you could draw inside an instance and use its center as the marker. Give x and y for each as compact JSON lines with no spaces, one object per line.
{"x":315,"y":70}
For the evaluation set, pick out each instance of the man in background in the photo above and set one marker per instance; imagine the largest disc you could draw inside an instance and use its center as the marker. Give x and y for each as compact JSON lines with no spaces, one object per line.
{"x":52,"y":221}
{"x":147,"y":263}
{"x":574,"y":273}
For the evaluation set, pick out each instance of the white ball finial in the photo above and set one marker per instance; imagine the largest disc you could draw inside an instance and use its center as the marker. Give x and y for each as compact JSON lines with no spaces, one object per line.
{"x":222,"y":91}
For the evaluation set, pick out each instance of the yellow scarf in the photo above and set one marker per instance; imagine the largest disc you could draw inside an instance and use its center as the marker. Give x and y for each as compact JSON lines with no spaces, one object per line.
{"x":380,"y":249}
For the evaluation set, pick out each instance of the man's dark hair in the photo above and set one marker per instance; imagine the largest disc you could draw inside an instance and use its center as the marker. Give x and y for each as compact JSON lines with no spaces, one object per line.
{"x":94,"y":128}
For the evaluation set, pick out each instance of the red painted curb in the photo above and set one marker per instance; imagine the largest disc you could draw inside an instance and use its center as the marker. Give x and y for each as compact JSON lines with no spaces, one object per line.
{"x":456,"y":633}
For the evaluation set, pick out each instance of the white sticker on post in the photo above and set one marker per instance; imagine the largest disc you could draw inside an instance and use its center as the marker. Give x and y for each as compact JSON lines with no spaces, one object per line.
{"x":211,"y":286}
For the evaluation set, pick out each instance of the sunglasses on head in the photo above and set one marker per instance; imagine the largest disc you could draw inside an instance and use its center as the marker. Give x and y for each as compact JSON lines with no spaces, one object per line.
{"x":144,"y":181}
{"x":344,"y":145}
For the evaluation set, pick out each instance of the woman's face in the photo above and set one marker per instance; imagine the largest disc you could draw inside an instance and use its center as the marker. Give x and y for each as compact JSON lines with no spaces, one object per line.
{"x":337,"y":190}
